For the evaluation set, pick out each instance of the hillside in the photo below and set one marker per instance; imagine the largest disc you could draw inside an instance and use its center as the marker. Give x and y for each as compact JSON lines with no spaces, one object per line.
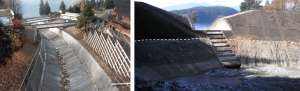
{"x":191,"y":5}
{"x":155,"y":23}
{"x":207,"y":14}
{"x":75,"y":3}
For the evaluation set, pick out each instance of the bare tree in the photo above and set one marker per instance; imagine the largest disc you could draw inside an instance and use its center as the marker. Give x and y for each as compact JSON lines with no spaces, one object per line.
{"x":2,"y":4}
{"x":283,"y":5}
{"x":16,"y":6}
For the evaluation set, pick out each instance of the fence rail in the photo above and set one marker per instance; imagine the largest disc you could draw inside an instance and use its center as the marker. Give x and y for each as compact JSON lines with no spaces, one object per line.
{"x":112,"y":46}
{"x":34,"y":74}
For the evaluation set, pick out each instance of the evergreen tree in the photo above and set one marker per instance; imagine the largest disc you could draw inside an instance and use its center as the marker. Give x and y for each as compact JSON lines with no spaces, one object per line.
{"x":41,"y":8}
{"x":250,"y":4}
{"x":194,"y":18}
{"x":47,"y":8}
{"x":86,"y":16}
{"x":109,"y":4}
{"x":101,"y":5}
{"x":62,"y":7}
{"x":76,"y":9}
{"x":93,"y":3}
{"x":97,"y":4}
{"x":70,"y":9}
{"x":6,"y":48}
{"x":19,"y":16}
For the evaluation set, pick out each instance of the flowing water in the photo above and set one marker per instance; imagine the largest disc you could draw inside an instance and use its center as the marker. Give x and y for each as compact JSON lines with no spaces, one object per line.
{"x":234,"y":76}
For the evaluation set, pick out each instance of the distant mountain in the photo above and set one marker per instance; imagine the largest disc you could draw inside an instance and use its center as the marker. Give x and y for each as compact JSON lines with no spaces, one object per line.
{"x":190,"y":5}
{"x":75,"y":3}
{"x":155,"y":23}
{"x":207,"y":14}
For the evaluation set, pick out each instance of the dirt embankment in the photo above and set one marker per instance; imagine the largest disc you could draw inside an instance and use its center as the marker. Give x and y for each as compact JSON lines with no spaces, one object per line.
{"x":266,"y":53}
{"x":13,"y":73}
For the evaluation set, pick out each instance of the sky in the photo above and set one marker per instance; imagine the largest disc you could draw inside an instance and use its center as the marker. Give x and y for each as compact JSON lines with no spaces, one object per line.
{"x":31,"y":7}
{"x":166,"y":3}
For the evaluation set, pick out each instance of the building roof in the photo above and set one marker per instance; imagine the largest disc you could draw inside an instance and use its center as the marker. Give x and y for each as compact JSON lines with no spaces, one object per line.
{"x":261,"y":25}
{"x":124,"y":8}
{"x":154,"y":23}
{"x":70,"y":14}
{"x":6,"y":13}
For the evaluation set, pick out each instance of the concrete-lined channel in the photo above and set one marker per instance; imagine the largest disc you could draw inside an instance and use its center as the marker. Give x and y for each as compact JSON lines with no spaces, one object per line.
{"x":64,"y":64}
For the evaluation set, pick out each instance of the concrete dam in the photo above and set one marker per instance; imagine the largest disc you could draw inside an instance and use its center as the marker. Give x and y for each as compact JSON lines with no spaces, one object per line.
{"x":256,"y":38}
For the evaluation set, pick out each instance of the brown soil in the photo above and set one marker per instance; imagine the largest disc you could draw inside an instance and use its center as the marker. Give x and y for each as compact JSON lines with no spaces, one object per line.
{"x":13,"y":73}
{"x":74,"y":32}
{"x":59,"y":21}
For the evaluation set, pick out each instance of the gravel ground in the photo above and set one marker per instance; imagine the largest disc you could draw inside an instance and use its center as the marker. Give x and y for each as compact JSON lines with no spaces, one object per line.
{"x":251,"y":79}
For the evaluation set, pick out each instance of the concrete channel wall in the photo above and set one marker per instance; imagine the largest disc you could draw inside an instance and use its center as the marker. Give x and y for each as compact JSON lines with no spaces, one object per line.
{"x":165,"y":59}
{"x":34,"y":75}
{"x":266,"y":53}
{"x":95,"y":72}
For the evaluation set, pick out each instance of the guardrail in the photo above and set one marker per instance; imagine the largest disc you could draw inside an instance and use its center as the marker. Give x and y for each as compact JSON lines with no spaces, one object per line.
{"x":33,"y":74}
{"x":119,"y":81}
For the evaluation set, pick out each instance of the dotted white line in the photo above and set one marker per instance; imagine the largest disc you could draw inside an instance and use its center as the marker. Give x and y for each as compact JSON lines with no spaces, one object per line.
{"x":209,"y":39}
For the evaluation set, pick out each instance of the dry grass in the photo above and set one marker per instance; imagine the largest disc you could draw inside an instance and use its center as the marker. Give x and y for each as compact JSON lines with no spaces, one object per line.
{"x":59,"y":21}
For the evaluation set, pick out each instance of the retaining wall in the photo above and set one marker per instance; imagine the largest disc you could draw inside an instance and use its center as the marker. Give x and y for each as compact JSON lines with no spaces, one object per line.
{"x":158,"y":59}
{"x":266,"y":53}
{"x":96,"y":73}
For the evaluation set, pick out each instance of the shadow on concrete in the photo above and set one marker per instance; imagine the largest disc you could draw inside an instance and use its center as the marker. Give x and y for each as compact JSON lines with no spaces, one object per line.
{"x":259,"y":83}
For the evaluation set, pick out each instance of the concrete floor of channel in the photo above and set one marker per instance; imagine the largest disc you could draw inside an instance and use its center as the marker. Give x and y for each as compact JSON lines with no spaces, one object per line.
{"x":225,"y":79}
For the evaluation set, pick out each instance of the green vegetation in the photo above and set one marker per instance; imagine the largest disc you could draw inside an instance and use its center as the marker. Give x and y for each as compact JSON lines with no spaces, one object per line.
{"x":47,"y":8}
{"x":41,"y":9}
{"x":108,"y":4}
{"x":86,"y":16}
{"x":44,"y":8}
{"x":93,"y":3}
{"x":99,"y":5}
{"x":62,"y":7}
{"x":249,"y":5}
{"x":6,"y":49}
{"x":74,"y":9}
